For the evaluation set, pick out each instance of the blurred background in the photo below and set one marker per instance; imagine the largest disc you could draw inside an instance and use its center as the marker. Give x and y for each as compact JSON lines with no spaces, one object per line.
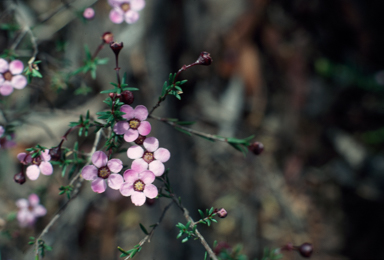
{"x":305,"y":77}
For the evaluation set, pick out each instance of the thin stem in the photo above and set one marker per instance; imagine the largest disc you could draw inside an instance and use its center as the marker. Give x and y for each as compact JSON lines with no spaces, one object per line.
{"x":99,"y":48}
{"x":195,"y":132}
{"x":162,"y":98}
{"x":148,"y":237}
{"x":75,"y":193}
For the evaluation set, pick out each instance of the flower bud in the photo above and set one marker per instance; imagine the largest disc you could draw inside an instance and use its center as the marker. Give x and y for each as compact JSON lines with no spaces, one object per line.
{"x":140,"y":140}
{"x":204,"y":58}
{"x":257,"y":148}
{"x":19,"y":178}
{"x":127,"y":97}
{"x":116,"y":47}
{"x":107,"y":37}
{"x":89,"y":13}
{"x":55,"y":153}
{"x":222,"y":213}
{"x":306,"y":250}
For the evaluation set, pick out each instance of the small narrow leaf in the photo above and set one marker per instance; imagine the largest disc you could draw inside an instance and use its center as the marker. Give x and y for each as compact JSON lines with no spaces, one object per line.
{"x":143,"y":229}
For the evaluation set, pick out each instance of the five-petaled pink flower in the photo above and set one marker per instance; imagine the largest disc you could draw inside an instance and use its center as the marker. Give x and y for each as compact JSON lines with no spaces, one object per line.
{"x":9,"y":76}
{"x":153,"y":157}
{"x":102,"y":171}
{"x":125,"y":10}
{"x":38,"y":164}
{"x":139,"y":186}
{"x":135,"y":123}
{"x":29,"y":210}
{"x":89,"y":13}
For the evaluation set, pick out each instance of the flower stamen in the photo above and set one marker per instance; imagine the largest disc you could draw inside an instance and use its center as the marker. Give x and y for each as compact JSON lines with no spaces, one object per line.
{"x":134,"y":123}
{"x":7,"y":75}
{"x":139,"y":185}
{"x":104,"y":172}
{"x":125,"y":7}
{"x":148,"y":157}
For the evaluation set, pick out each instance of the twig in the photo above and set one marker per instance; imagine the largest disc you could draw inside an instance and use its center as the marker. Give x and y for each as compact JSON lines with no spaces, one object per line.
{"x":195,"y":132}
{"x":148,"y":237}
{"x":75,"y":193}
{"x":193,"y":223}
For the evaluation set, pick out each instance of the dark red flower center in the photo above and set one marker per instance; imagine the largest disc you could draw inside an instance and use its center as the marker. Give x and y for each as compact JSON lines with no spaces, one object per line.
{"x":7,"y":75}
{"x":138,"y":185}
{"x":148,"y":157}
{"x":104,"y":172}
{"x":36,"y":160}
{"x":134,"y":123}
{"x":125,"y":7}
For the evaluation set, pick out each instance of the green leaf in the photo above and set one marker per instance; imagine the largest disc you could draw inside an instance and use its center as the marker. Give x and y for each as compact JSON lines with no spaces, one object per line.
{"x":240,"y":148}
{"x":211,"y":211}
{"x":201,"y":213}
{"x":122,"y":250}
{"x":184,"y":240}
{"x":207,"y":138}
{"x":109,"y":91}
{"x":143,"y":229}
{"x":186,"y":122}
{"x":102,"y":61}
{"x":87,"y":52}
{"x":182,"y":130}
{"x":63,"y":170}
{"x":131,"y":89}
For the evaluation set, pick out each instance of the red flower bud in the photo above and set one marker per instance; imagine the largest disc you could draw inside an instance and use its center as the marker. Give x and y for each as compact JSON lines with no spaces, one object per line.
{"x":306,"y":250}
{"x":55,"y":153}
{"x":19,"y":178}
{"x":107,"y":37}
{"x":140,"y":140}
{"x":256,"y":148}
{"x":127,"y":97}
{"x":204,"y":58}
{"x":222,"y":213}
{"x":116,"y":47}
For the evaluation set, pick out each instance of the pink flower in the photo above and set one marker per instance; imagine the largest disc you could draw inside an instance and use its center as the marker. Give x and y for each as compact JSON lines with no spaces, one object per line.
{"x":135,"y":123}
{"x":125,"y":10}
{"x":38,"y":164}
{"x":103,"y":171}
{"x":89,"y":13}
{"x":29,"y":210}
{"x":9,"y":76}
{"x":153,"y":157}
{"x":139,"y":186}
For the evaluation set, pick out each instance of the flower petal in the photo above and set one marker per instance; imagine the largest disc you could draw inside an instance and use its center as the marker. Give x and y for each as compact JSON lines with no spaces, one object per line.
{"x":141,"y":112}
{"x":131,"y":135}
{"x":33,"y":172}
{"x":138,"y":198}
{"x":115,"y":165}
{"x":25,"y":218}
{"x":3,"y":65}
{"x":21,"y":157}
{"x":6,"y":88}
{"x":162,"y":154}
{"x":89,"y":172}
{"x":45,"y":156}
{"x":135,"y":152}
{"x":16,"y":67}
{"x":151,"y":191}
{"x":147,"y":177}
{"x":39,"y":211}
{"x":130,"y":176}
{"x":126,"y":189}
{"x":98,"y":185}
{"x":151,"y":144}
{"x":33,"y":200}
{"x":144,"y":128}
{"x":22,"y":203}
{"x":139,"y":165}
{"x":128,"y":110}
{"x":121,"y":127}
{"x":46,"y":168}
{"x":116,"y":17}
{"x":131,"y":16}
{"x":115,"y":181}
{"x":19,"y":81}
{"x":99,"y":159}
{"x":157,"y":167}
{"x":137,"y":5}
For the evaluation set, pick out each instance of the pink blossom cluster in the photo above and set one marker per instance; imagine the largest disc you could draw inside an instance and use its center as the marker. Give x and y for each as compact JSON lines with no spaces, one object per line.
{"x":10,"y":77}
{"x":29,"y":210}
{"x":125,"y":10}
{"x":37,"y":165}
{"x":148,"y":162}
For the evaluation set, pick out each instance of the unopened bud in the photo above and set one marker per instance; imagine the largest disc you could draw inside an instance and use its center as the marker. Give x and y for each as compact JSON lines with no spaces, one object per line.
{"x":140,"y":140}
{"x":306,"y":250}
{"x":204,"y":58}
{"x":127,"y":97}
{"x":222,"y":213}
{"x":55,"y":153}
{"x":107,"y":37}
{"x":150,"y":202}
{"x":116,"y":47}
{"x":256,"y":148}
{"x":19,"y":178}
{"x":89,"y":13}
